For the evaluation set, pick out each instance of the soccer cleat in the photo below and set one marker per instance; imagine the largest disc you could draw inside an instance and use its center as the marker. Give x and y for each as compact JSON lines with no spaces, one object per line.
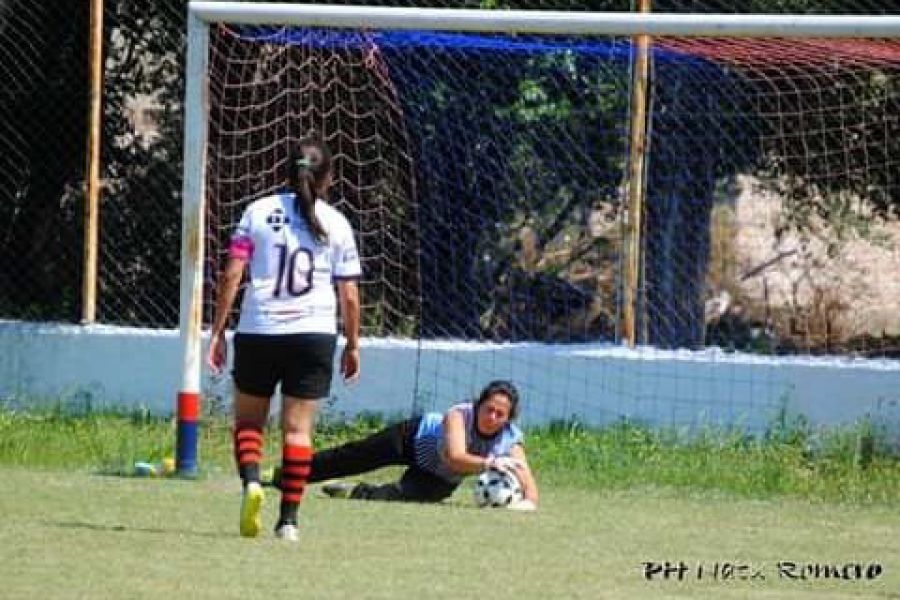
{"x":287,"y":531}
{"x":251,"y":509}
{"x":338,"y":489}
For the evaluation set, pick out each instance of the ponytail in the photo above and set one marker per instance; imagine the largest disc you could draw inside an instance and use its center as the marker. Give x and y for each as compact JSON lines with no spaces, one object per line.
{"x":309,"y":168}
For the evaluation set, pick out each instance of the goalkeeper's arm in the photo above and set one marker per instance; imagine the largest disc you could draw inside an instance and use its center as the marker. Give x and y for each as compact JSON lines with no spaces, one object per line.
{"x":455,"y":454}
{"x":526,"y":477}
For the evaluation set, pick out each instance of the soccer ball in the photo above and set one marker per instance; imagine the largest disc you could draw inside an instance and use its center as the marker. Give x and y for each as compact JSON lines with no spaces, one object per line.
{"x":497,"y":488}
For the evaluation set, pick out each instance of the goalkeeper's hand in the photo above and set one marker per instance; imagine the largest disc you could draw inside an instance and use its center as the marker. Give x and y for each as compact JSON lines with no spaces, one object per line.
{"x":522,"y":506}
{"x":504,"y":463}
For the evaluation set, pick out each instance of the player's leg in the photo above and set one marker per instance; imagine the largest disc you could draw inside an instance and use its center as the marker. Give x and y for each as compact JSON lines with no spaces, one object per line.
{"x":392,"y":445}
{"x":389,"y":446}
{"x":250,"y":413}
{"x":419,"y":485}
{"x":298,"y":420}
{"x":254,"y":380}
{"x":386,"y":492}
{"x":416,"y":485}
{"x":307,"y":366}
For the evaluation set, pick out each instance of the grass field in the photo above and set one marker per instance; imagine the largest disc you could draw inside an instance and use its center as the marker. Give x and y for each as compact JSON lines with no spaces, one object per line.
{"x":77,"y":535}
{"x":610,"y":503}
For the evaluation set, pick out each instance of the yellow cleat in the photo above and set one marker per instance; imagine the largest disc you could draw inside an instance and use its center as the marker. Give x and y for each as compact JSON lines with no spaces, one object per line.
{"x":251,"y":509}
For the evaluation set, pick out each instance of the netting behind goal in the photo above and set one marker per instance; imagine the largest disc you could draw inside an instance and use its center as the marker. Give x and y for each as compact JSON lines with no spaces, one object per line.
{"x":485,"y":176}
{"x":462,"y":162}
{"x":775,"y":169}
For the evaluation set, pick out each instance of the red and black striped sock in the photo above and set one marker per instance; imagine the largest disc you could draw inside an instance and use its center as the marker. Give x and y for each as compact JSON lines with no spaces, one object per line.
{"x":248,"y":447}
{"x":296,"y":461}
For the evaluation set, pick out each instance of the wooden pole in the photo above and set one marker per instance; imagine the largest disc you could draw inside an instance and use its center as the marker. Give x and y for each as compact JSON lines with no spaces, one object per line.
{"x":92,"y":199}
{"x":636,"y":183}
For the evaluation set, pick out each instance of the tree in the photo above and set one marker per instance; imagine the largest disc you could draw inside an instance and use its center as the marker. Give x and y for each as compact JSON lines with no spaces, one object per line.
{"x":141,"y":216}
{"x":43,"y":116}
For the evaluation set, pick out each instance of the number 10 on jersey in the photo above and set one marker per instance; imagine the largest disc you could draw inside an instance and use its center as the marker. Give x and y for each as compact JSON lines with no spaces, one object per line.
{"x":295,"y":271}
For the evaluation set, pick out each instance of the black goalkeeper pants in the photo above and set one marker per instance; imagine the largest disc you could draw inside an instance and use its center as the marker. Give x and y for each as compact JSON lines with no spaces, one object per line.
{"x":392,"y":445}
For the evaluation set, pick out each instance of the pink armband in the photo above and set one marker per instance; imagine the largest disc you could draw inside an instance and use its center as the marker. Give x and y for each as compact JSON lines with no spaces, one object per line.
{"x":241,"y":247}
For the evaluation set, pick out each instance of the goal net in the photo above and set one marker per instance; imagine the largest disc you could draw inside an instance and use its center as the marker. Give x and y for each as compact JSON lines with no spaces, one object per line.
{"x":486,"y":176}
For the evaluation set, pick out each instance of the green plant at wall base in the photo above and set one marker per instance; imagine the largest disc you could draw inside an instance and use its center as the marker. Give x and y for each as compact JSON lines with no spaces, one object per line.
{"x":790,"y":460}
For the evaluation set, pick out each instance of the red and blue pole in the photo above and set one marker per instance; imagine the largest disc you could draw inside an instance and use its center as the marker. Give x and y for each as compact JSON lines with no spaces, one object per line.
{"x":186,"y":435}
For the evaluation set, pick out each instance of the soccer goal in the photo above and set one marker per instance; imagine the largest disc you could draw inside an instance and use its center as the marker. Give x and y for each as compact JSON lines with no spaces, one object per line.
{"x":534,"y":192}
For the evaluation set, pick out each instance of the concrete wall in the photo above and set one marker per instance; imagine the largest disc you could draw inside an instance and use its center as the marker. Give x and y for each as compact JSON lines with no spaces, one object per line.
{"x":596,"y":384}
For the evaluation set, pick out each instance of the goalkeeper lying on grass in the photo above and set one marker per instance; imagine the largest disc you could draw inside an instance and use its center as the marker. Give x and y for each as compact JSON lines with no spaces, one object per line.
{"x":439,"y":450}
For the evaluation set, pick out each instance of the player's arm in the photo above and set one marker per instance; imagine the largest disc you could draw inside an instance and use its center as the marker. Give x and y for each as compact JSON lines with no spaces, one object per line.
{"x":526,"y":477}
{"x":227,"y":292}
{"x":346,"y":270}
{"x":455,"y":455}
{"x":348,"y":294}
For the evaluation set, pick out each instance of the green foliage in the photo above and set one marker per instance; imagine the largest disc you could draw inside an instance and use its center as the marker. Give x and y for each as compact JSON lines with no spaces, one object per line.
{"x":143,"y":170}
{"x":142,"y":174}
{"x":108,"y":441}
{"x":789,"y":461}
{"x":43,"y":120}
{"x":780,"y":463}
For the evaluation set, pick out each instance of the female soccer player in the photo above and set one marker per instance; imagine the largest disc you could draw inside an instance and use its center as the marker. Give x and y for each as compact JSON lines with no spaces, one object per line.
{"x":296,"y":247}
{"x":439,"y":450}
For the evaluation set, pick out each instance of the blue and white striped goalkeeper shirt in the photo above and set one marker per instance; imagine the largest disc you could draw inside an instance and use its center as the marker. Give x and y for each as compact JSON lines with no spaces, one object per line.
{"x":429,"y":441}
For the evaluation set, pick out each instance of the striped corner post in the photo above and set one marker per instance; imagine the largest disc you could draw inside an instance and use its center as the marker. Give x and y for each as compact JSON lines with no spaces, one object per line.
{"x":186,"y":435}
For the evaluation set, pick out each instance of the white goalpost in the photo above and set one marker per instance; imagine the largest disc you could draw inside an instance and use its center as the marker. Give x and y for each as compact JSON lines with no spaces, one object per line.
{"x":552,"y":255}
{"x":547,"y":22}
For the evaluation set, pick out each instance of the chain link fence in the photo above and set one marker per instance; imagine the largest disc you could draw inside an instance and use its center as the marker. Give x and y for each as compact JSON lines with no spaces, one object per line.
{"x":43,"y":129}
{"x":43,"y":136}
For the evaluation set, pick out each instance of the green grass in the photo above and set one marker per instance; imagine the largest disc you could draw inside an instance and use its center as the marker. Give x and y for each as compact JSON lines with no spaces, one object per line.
{"x":765,"y":467}
{"x":623,"y":457}
{"x":71,"y":534}
{"x":611,"y":499}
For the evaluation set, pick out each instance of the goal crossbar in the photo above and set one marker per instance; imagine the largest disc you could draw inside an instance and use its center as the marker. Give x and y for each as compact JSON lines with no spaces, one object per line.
{"x":551,"y":22}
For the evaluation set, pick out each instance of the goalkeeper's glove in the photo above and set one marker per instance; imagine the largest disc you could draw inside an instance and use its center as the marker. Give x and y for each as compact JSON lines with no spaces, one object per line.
{"x":522,"y":506}
{"x":504,"y":463}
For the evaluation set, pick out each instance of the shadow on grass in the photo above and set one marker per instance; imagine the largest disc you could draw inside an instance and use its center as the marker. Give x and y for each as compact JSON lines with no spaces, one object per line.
{"x":127,"y":529}
{"x":131,"y":474}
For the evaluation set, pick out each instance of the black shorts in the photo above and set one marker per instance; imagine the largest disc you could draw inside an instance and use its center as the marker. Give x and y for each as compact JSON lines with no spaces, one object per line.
{"x":301,"y":362}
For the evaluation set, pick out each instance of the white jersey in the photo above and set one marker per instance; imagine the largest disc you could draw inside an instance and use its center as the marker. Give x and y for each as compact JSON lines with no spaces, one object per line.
{"x":291,"y":287}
